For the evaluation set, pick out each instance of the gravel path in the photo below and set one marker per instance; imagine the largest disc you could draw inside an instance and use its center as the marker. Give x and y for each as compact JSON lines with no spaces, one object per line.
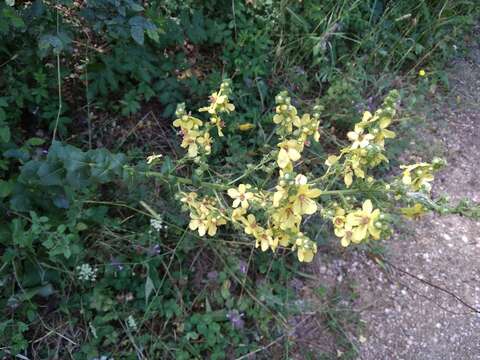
{"x":406,"y":317}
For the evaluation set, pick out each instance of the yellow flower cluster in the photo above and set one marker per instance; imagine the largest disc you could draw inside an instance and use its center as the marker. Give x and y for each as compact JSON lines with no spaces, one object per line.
{"x":358,"y":225}
{"x":367,"y":142}
{"x":293,"y":130}
{"x":204,"y":216}
{"x":196,"y":136}
{"x":418,"y":176}
{"x":273,"y":215}
{"x":291,"y":200}
{"x":280,"y":209}
{"x":219,"y":103}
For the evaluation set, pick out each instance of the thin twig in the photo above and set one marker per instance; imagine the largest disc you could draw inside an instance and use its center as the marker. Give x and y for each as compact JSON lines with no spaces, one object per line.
{"x":59,"y":83}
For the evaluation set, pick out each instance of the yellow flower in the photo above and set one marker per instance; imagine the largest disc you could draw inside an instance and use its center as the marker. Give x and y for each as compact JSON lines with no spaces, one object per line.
{"x":367,"y":116}
{"x":285,"y":115}
{"x":414,"y":212}
{"x":198,"y":223}
{"x":306,"y":248}
{"x":218,"y":103}
{"x":286,"y":218}
{"x":290,"y":150}
{"x":189,"y":141}
{"x":422,"y":73}
{"x":264,"y":239}
{"x":281,"y":237}
{"x":331,"y":160}
{"x":381,"y":133}
{"x":302,"y":200}
{"x":359,"y":139}
{"x":364,"y":222}
{"x":246,"y":126}
{"x":279,"y":195}
{"x":418,"y":176}
{"x":237,"y":214}
{"x":308,"y":126}
{"x":348,"y":176}
{"x":213,"y":222}
{"x":206,"y":142}
{"x":356,"y":162}
{"x":346,"y":235}
{"x":241,"y":195}
{"x":187,"y":122}
{"x":189,"y":198}
{"x":215,"y":120}
{"x":153,"y":158}
{"x":251,"y":226}
{"x":339,"y":219}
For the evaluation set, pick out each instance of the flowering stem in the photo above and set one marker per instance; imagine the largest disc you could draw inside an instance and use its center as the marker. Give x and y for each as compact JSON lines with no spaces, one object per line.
{"x":253,"y":169}
{"x":340,"y":192}
{"x":183,"y":180}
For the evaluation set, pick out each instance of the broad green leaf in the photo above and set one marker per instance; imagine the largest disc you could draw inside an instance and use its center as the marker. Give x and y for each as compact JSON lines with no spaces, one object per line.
{"x":5,"y":134}
{"x":137,"y":33}
{"x":35,"y":141}
{"x":6,"y":188}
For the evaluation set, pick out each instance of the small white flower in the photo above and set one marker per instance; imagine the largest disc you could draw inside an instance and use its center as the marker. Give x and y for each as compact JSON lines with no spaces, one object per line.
{"x":157,"y":224}
{"x":132,"y":324}
{"x":87,"y":273}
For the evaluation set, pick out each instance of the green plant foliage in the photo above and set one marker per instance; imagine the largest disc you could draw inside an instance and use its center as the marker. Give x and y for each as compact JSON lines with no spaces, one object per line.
{"x":96,"y":258}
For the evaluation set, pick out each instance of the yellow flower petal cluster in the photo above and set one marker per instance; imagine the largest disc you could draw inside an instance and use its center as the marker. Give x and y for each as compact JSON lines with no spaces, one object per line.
{"x":219,"y":103}
{"x":307,"y":126}
{"x":418,"y":176}
{"x":368,"y":142}
{"x":285,"y":114}
{"x":204,"y":216}
{"x":358,"y":225}
{"x":241,"y":195}
{"x":306,"y":248}
{"x":290,"y":151}
{"x":195,"y":134}
{"x":272,"y":212}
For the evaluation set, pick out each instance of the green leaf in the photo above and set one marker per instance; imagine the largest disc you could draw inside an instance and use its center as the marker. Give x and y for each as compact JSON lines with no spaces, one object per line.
{"x":49,"y":175}
{"x":137,"y":33}
{"x":50,"y":41}
{"x":153,"y":34}
{"x":5,"y":134}
{"x":6,"y":188}
{"x":149,"y":287}
{"x":35,"y":141}
{"x":136,"y":7}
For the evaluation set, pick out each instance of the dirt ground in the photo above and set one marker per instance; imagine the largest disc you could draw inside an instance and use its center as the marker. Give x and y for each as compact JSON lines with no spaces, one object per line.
{"x":424,"y":304}
{"x":427,"y":305}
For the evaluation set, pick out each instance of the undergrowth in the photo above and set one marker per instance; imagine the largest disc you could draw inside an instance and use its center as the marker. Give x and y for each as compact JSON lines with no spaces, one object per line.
{"x":99,"y":261}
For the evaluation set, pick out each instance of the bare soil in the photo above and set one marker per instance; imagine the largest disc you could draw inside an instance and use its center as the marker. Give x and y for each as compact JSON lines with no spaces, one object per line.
{"x":425,"y":304}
